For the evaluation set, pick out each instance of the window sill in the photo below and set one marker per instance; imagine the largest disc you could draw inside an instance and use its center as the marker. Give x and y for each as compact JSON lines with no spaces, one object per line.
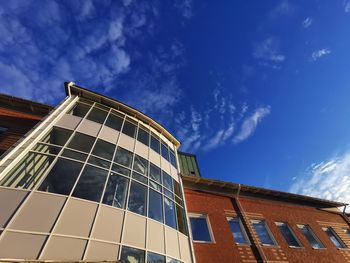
{"x":296,"y":247}
{"x":271,"y":246}
{"x":343,"y":248}
{"x":203,"y":242}
{"x":323,"y":248}
{"x":243,"y":245}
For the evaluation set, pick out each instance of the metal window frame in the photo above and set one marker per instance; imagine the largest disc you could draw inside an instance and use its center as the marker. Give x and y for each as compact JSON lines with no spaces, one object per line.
{"x":263,"y":221}
{"x":341,"y":242}
{"x":279,"y":223}
{"x":238,"y":219}
{"x":210,"y":230}
{"x":300,"y":226}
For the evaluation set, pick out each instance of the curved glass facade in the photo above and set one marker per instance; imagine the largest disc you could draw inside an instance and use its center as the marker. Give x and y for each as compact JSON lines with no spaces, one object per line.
{"x":111,"y":160}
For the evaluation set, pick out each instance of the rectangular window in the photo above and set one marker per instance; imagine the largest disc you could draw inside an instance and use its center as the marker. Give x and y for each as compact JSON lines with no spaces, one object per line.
{"x":155,"y":258}
{"x":143,"y":136}
{"x":155,"y":144}
{"x":114,"y":121}
{"x":129,"y":129}
{"x":120,"y":170}
{"x":310,"y":236}
{"x":347,"y":231}
{"x":165,"y":152}
{"x":3,"y":129}
{"x":115,"y":194}
{"x":80,"y":110}
{"x":57,"y":136}
{"x":123,"y":157}
{"x":155,"y":207}
{"x":132,"y":255}
{"x":154,"y":173}
{"x":104,"y":149}
{"x":140,"y":165}
{"x":181,"y":219}
{"x":263,"y":233}
{"x":137,"y":198}
{"x":169,"y":210}
{"x":288,"y":234}
{"x":237,"y":230}
{"x":74,"y":155}
{"x":173,"y":159}
{"x":200,"y":228}
{"x":90,"y":184}
{"x":81,"y":142}
{"x":167,"y":181}
{"x":334,"y":237}
{"x":97,"y":115}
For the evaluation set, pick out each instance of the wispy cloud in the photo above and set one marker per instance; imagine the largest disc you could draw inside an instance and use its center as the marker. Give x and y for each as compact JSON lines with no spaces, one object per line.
{"x":268,"y":51}
{"x":220,"y":124}
{"x":329,"y":179}
{"x":283,"y":8}
{"x":347,"y":6}
{"x":250,"y":123}
{"x":317,"y":54}
{"x":307,"y":22}
{"x":184,"y":7}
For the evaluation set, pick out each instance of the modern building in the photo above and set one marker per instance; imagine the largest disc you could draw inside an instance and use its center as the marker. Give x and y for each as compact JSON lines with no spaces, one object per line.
{"x":94,"y":179}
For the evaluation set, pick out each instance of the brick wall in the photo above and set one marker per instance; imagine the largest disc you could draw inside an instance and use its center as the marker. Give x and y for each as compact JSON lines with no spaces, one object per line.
{"x":224,"y":249}
{"x":17,"y":124}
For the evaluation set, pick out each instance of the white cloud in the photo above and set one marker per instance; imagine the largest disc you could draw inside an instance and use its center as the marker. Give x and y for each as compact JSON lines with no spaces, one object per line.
{"x":347,"y":6}
{"x":284,"y":8}
{"x":329,"y":179}
{"x":184,"y":7}
{"x":250,"y":123}
{"x":307,"y":22}
{"x":320,"y":53}
{"x":268,"y":51}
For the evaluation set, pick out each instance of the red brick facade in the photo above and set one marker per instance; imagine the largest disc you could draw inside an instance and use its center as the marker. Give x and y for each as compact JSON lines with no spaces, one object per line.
{"x":17,"y":124}
{"x":224,"y":249}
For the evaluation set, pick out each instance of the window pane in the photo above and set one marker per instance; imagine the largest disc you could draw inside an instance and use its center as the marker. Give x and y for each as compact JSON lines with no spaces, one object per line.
{"x":132,"y":255}
{"x":114,"y":121}
{"x":288,"y":234}
{"x":155,"y":207}
{"x":57,"y":136}
{"x":47,"y":149}
{"x":168,"y":193}
{"x":129,"y":129}
{"x":74,"y":155}
{"x":80,"y":110}
{"x":348,"y":232}
{"x":97,"y":115}
{"x":310,"y":236}
{"x":237,"y":231}
{"x":165,"y":152}
{"x":115,"y":194}
{"x":137,"y":198}
{"x":171,"y":260}
{"x":123,"y":157}
{"x":140,"y":165}
{"x":81,"y":142}
{"x":90,"y":184}
{"x":169,"y":209}
{"x":177,"y":189}
{"x":262,"y":232}
{"x":155,"y":186}
{"x":181,"y":219}
{"x":167,"y":181}
{"x":99,"y":162}
{"x":155,"y":144}
{"x":200,"y":230}
{"x":154,"y":173}
{"x":121,"y":170}
{"x":62,"y":177}
{"x":104,"y":149}
{"x":173,"y":159}
{"x":334,"y":238}
{"x":143,"y":136}
{"x":139,"y":177}
{"x":155,"y":258}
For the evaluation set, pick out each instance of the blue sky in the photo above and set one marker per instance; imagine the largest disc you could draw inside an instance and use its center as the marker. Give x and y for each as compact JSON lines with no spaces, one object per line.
{"x":259,"y":90}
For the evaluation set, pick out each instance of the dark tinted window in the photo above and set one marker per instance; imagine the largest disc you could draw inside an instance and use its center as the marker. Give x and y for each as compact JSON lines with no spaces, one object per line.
{"x":57,"y":136}
{"x":155,"y":258}
{"x":121,"y":170}
{"x":97,"y":115}
{"x":181,"y":219}
{"x":200,"y":230}
{"x":129,"y":129}
{"x":90,"y":184}
{"x":155,"y":207}
{"x":139,"y":177}
{"x":262,"y":232}
{"x":62,"y":177}
{"x":137,"y":198}
{"x":169,"y":210}
{"x":81,"y":142}
{"x":288,"y":234}
{"x":237,"y":231}
{"x":154,"y":173}
{"x":167,"y":181}
{"x":104,"y":149}
{"x":80,"y":110}
{"x":177,"y":189}
{"x":140,"y":165}
{"x":99,"y":162}
{"x":173,"y":159}
{"x":165,"y":151}
{"x":334,"y":238}
{"x":74,"y":155}
{"x":116,"y":190}
{"x":132,"y":255}
{"x":48,"y":149}
{"x":123,"y":157}
{"x":143,"y":136}
{"x":310,"y":236}
{"x":114,"y":122}
{"x":155,"y":144}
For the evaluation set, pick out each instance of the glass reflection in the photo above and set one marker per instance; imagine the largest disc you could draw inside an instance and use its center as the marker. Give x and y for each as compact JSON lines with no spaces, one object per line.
{"x":116,"y":190}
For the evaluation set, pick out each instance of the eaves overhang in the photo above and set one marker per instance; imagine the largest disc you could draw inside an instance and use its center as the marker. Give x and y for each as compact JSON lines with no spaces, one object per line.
{"x":73,"y":89}
{"x":233,"y":189}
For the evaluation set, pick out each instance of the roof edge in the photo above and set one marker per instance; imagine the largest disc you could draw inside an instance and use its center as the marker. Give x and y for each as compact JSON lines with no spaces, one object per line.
{"x":73,"y":89}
